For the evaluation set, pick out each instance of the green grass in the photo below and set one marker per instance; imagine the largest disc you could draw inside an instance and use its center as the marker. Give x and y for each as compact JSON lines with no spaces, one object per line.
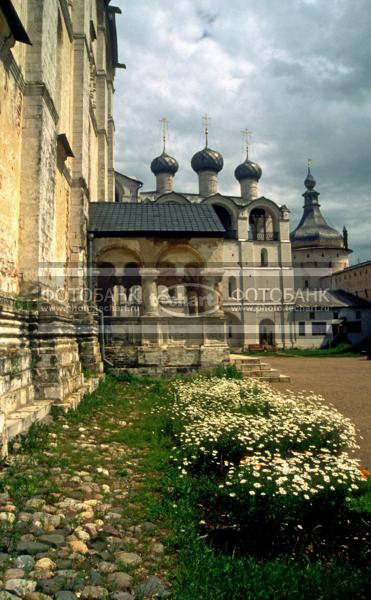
{"x":201,"y":571}
{"x":197,"y":569}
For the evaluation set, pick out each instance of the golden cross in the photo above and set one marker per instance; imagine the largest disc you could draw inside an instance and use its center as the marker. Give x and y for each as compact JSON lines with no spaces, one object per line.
{"x":206,"y":120}
{"x":309,"y":163}
{"x":246,"y":138}
{"x":164,"y":130}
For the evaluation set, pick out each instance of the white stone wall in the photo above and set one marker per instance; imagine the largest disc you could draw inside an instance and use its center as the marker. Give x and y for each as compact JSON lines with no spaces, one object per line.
{"x":312,"y":264}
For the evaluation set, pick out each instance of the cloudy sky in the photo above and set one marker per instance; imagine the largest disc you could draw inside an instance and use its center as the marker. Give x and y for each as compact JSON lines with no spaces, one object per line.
{"x":295,"y":72}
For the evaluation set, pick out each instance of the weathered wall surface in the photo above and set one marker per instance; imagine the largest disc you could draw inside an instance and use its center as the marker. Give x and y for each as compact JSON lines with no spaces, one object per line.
{"x":11,"y":107}
{"x":54,"y":159}
{"x":355,"y":279}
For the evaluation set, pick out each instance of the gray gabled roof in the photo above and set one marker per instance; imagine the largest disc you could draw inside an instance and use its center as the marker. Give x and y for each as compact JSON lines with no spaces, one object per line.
{"x":164,"y":220}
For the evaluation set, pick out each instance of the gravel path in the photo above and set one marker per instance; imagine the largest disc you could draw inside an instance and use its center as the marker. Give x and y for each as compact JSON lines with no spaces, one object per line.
{"x":71,"y":522}
{"x":345,"y":382}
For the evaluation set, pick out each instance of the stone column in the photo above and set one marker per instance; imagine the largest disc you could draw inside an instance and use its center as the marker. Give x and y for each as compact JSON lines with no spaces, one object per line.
{"x":150,"y":306}
{"x":211,"y":302}
{"x":192,"y":301}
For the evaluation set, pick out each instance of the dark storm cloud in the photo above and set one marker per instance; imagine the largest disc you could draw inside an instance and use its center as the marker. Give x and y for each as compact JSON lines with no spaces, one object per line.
{"x":296,"y":72}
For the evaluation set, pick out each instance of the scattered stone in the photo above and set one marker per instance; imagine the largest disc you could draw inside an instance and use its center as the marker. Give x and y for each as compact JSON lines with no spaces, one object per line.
{"x":21,"y":587}
{"x":95,"y":578}
{"x":63,"y":563}
{"x":66,"y":595}
{"x":30,"y":547}
{"x":79,"y":547}
{"x":14,"y":574}
{"x":35,"y":503}
{"x":53,"y":585}
{"x":45,"y":563}
{"x":7,"y":517}
{"x":153,"y":586}
{"x":158,"y":548}
{"x":38,"y":596}
{"x":7,"y":596}
{"x":119,"y":581}
{"x":149,"y":527}
{"x":106,"y":567}
{"x":128,"y":558}
{"x":53,"y":539}
{"x":42,"y":574}
{"x":24,"y":561}
{"x":94,"y":592}
{"x":122,"y":596}
{"x":4,"y":558}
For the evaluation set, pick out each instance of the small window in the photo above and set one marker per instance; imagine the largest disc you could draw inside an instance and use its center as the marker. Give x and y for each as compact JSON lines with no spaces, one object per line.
{"x":319,"y":328}
{"x":358,"y":314}
{"x":264,"y":258}
{"x":306,"y":284}
{"x":312,"y":315}
{"x":336,"y":315}
{"x":232,"y":287}
{"x":302,"y":328}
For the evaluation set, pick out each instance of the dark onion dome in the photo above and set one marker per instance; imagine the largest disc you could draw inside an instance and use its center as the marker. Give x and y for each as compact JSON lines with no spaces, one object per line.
{"x":248,"y":170}
{"x":313,"y":230}
{"x":310,"y":182}
{"x":164,"y":164}
{"x":207,"y":160}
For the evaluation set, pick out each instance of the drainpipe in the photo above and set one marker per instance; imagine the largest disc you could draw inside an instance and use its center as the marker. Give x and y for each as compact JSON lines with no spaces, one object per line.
{"x":102,"y":341}
{"x":243,"y":295}
{"x":90,"y":264}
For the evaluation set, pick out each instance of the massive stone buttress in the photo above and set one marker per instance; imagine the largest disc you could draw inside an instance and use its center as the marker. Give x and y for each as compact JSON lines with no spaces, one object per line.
{"x":57,"y":66}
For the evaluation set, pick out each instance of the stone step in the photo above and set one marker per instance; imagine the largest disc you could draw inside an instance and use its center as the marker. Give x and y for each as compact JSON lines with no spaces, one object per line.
{"x":253,"y":367}
{"x":21,"y":420}
{"x":73,"y":400}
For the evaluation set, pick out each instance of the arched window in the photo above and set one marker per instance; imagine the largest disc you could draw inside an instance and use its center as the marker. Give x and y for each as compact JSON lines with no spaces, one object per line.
{"x":226,"y":220}
{"x":232,"y":287}
{"x":264,"y":258}
{"x":266,"y":333}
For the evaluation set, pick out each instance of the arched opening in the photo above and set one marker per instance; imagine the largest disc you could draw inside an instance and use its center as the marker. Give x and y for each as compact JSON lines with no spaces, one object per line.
{"x":118,"y":291}
{"x":170,"y":288}
{"x":232,"y":287}
{"x":266,"y":333}
{"x":106,"y":280}
{"x":264,"y":257}
{"x":262,"y":225}
{"x":226,"y":220}
{"x":193,"y":288}
{"x":234,"y":332}
{"x":132,"y":283}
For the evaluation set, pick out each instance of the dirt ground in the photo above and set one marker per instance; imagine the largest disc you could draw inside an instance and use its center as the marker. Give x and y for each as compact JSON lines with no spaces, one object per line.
{"x":346,"y":382}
